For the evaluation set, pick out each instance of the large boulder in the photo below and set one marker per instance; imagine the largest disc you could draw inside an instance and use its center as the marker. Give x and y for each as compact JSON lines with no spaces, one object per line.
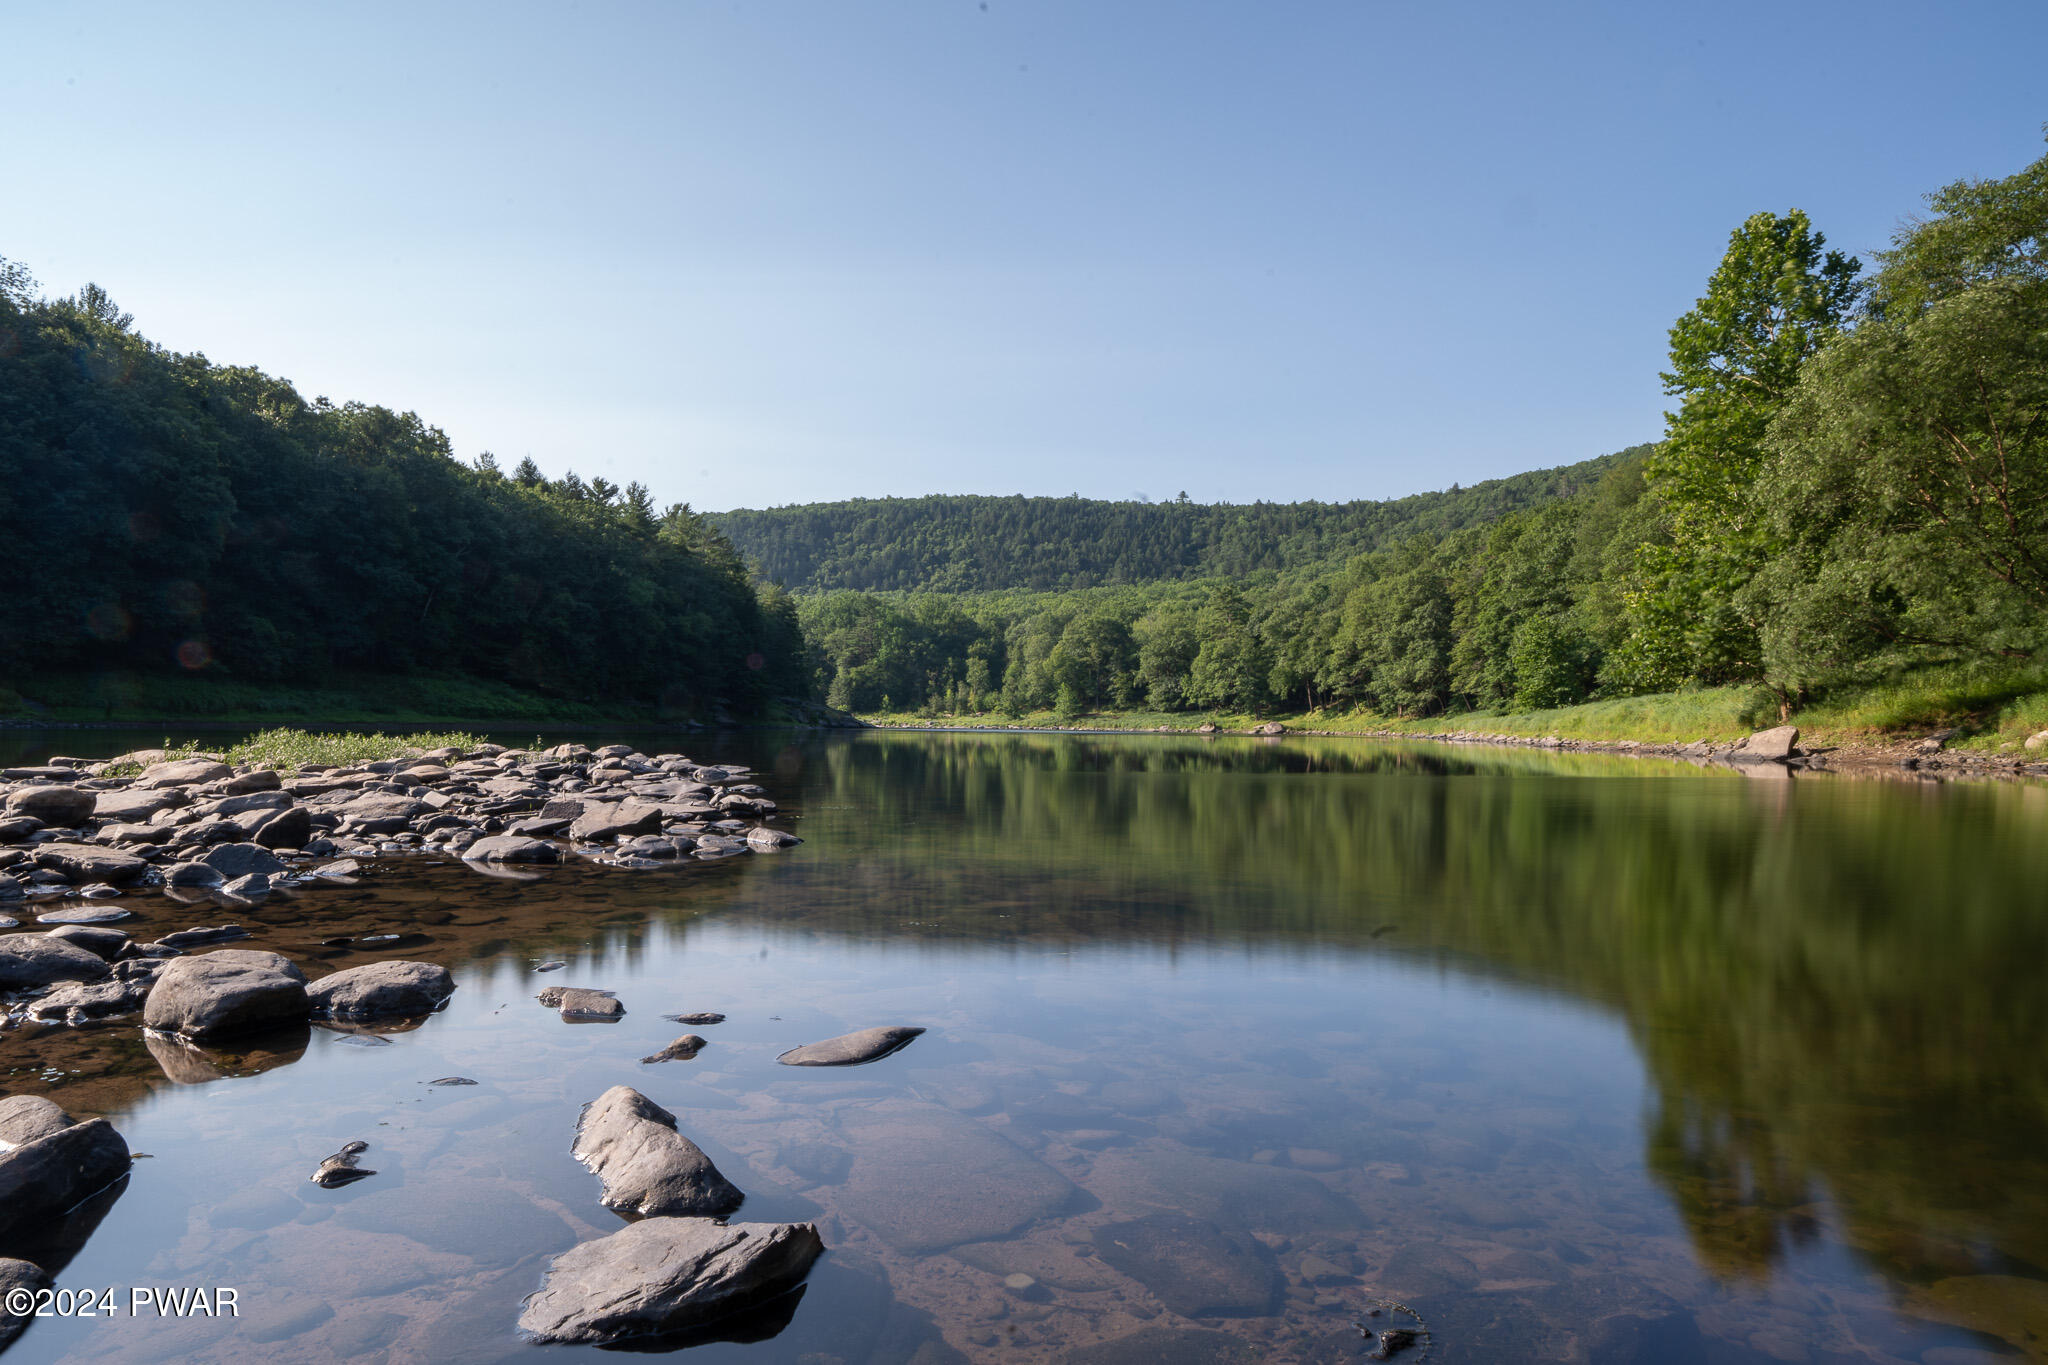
{"x":647,"y":1167}
{"x":288,"y":828}
{"x":511,"y":848}
{"x":28,"y":961}
{"x":91,"y":863}
{"x":666,"y":1275}
{"x":613,"y":820}
{"x":381,"y":990}
{"x":184,"y":772}
{"x":42,"y":1179}
{"x":1769,"y":745}
{"x":234,"y":861}
{"x":851,"y":1049}
{"x":26,"y":1118}
{"x":230,"y":990}
{"x":52,"y":805}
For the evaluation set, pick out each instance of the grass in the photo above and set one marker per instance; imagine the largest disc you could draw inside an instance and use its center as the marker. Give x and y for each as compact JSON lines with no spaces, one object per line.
{"x":297,"y":748}
{"x":1993,"y":708}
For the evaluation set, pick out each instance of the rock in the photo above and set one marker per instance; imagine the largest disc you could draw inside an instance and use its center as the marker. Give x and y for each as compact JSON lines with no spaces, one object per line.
{"x":184,"y":772}
{"x":607,"y":820}
{"x":382,"y":813}
{"x":511,"y":848}
{"x":41,"y":1180}
{"x":1207,"y":727}
{"x":135,"y":834}
{"x":104,"y":915}
{"x":851,"y":1049}
{"x":1167,"y":1346}
{"x":130,"y":806}
{"x":234,"y":861}
{"x":701,"y":1019}
{"x":631,"y":1144}
{"x":17,"y":1276}
{"x":577,"y":1003}
{"x":31,"y":960}
{"x":682,"y":1049}
{"x":192,"y":874}
{"x":1194,"y":1267}
{"x":87,"y":1002}
{"x":27,"y":1118}
{"x":760,"y":836}
{"x":341,"y":1168}
{"x":1671,"y":1338}
{"x":252,"y":888}
{"x":1271,"y":727}
{"x":926,"y":1179}
{"x":381,"y":989}
{"x":53,"y":805}
{"x":17,"y":829}
{"x":255,"y":780}
{"x":1776,"y":743}
{"x":665,"y":1275}
{"x":341,"y":869}
{"x":1236,"y":1194}
{"x":288,"y":828}
{"x":194,"y":937}
{"x":226,"y":991}
{"x":451,"y":1080}
{"x":2037,"y":741}
{"x":90,"y":863}
{"x":107,"y":943}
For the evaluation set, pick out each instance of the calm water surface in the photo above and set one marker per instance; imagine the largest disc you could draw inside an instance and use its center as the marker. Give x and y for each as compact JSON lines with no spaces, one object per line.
{"x":1560,"y":1057}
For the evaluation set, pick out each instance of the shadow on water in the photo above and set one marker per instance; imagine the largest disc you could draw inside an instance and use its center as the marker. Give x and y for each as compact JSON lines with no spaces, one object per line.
{"x":1584,"y":1058}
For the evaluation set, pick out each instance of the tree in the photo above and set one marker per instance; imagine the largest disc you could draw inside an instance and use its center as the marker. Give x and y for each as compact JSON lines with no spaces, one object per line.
{"x":1776,"y":298}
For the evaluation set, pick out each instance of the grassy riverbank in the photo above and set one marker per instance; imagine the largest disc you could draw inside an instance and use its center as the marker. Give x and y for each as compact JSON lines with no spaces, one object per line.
{"x":1994,"y":710}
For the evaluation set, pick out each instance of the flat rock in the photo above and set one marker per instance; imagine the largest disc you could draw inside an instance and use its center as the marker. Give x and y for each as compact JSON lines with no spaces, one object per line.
{"x":666,"y":1275}
{"x":511,"y":848}
{"x":229,"y":990}
{"x":575,"y":1002}
{"x":701,"y":1018}
{"x":851,"y":1049}
{"x":131,"y":806}
{"x":234,"y":861}
{"x":184,"y":772}
{"x":631,"y":1144}
{"x":25,"y":1118}
{"x":1236,"y":1194}
{"x":380,"y":989}
{"x":192,"y":874}
{"x":31,"y":960}
{"x":925,"y":1179}
{"x":52,"y":805}
{"x":763,"y":837}
{"x":1191,"y":1265}
{"x":91,"y":863}
{"x":86,"y":1002}
{"x":106,"y":914}
{"x":612,"y":820}
{"x":42,"y":1179}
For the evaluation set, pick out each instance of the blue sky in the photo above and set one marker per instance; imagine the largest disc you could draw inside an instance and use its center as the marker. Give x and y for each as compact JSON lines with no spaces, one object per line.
{"x":753,"y":253}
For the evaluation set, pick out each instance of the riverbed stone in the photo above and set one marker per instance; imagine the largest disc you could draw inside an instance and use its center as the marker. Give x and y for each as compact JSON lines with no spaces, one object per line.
{"x":1168,"y":1346}
{"x":611,"y":820}
{"x":14,"y":1275}
{"x":106,"y":943}
{"x":229,"y":990}
{"x":237,"y":860}
{"x":631,"y":1144}
{"x":42,"y":1179}
{"x":90,"y":863}
{"x":1191,"y":1265}
{"x":192,"y":874}
{"x":87,"y":1002}
{"x":52,"y":805}
{"x":184,"y":772}
{"x":31,"y":960}
{"x":851,"y":1049}
{"x":26,"y":1118}
{"x":1236,"y":1194}
{"x":760,"y":836}
{"x":287,"y":828}
{"x":664,"y":1275}
{"x":925,"y":1179}
{"x":1775,"y":743}
{"x":511,"y":848}
{"x":381,"y":989}
{"x":130,"y":806}
{"x":577,"y":1002}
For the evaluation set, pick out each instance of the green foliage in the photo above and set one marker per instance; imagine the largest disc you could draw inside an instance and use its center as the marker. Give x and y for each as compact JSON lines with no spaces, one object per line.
{"x":164,"y":515}
{"x":289,"y":748}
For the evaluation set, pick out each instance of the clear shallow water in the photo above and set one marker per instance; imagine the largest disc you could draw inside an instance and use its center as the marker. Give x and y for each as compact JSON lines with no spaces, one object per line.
{"x":1579,"y":1058}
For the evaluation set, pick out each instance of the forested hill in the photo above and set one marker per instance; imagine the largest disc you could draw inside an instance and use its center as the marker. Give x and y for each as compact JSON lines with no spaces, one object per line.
{"x":980,"y":544}
{"x":162,"y":515}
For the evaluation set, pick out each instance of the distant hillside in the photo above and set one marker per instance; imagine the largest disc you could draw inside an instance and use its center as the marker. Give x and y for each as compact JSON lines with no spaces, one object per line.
{"x":980,"y":544}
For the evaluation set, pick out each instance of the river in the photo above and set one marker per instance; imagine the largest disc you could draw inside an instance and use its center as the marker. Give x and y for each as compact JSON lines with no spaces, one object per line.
{"x":1237,"y":1050}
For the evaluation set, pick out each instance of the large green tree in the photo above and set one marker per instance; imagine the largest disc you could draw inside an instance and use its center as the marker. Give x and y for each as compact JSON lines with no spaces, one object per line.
{"x":1776,"y":298}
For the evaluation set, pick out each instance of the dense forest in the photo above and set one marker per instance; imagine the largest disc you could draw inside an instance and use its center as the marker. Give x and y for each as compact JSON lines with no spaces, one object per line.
{"x":1853,"y":482}
{"x":982,"y":544}
{"x":165,"y":514}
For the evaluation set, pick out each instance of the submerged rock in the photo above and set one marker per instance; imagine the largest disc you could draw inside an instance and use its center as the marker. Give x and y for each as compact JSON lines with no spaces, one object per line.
{"x":851,"y":1049}
{"x":926,"y":1179}
{"x":1194,"y":1267}
{"x":700,"y":1019}
{"x":381,"y":989}
{"x":681,"y":1050}
{"x":226,"y":991}
{"x":631,"y":1144}
{"x":665,"y":1275}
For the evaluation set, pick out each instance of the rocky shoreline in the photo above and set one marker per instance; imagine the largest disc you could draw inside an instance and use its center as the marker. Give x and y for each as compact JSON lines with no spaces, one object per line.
{"x":1929,"y":755}
{"x":77,"y":836}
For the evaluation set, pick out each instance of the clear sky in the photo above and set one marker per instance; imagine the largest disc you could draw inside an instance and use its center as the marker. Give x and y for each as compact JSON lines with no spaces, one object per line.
{"x":759,"y":253}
